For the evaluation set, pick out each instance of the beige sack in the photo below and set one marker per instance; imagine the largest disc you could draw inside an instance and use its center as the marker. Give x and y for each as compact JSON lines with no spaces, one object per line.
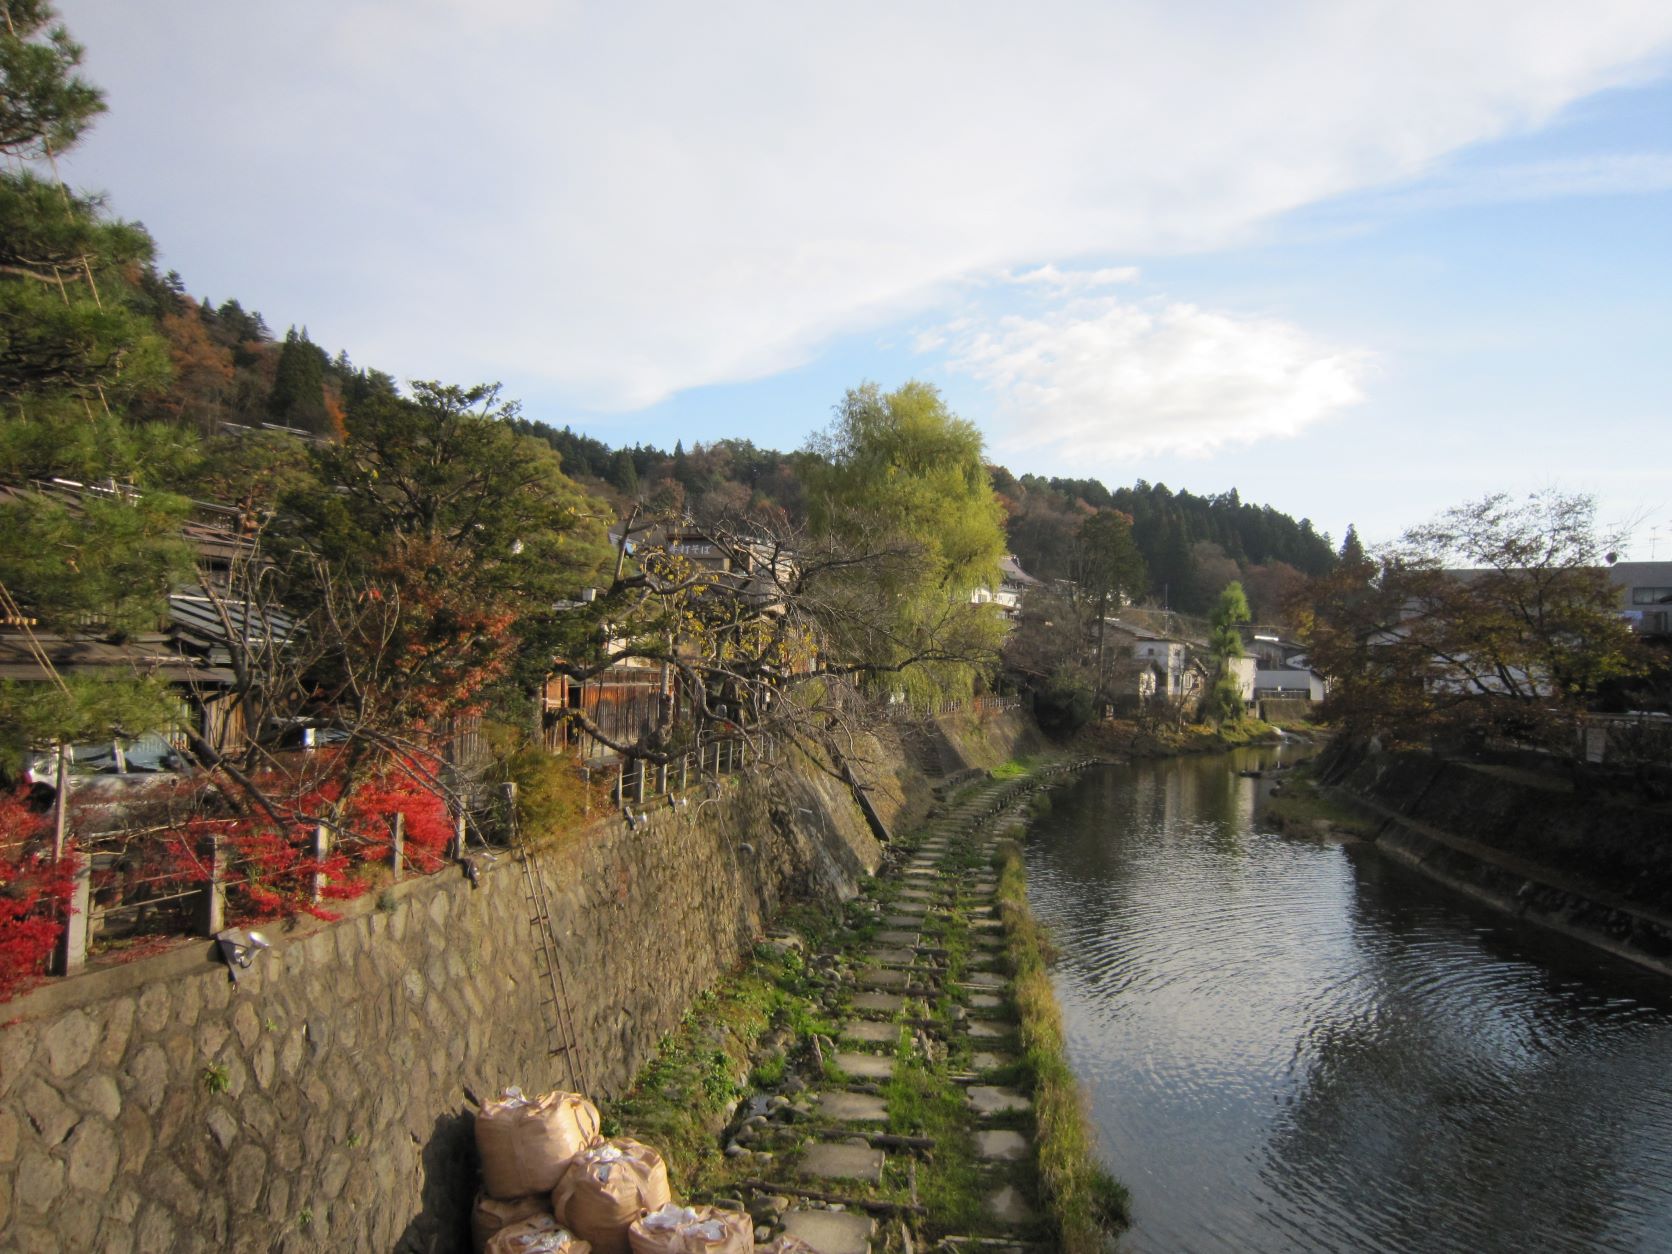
{"x":692,"y":1230}
{"x":606,"y":1188}
{"x":539,"y":1235}
{"x":491,"y":1215}
{"x":525,"y":1145}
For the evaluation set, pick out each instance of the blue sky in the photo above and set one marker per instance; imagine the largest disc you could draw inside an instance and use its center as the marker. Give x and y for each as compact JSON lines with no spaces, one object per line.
{"x":1359,"y":261}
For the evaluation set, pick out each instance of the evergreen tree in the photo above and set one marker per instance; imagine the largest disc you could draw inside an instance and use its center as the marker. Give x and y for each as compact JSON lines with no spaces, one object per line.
{"x":1352,"y":550}
{"x":75,"y":344}
{"x":44,"y":104}
{"x":624,"y":474}
{"x":1225,"y":644}
{"x":298,"y":396}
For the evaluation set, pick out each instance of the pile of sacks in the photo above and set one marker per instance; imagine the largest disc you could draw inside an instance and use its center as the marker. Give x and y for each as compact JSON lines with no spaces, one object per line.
{"x":552,"y":1185}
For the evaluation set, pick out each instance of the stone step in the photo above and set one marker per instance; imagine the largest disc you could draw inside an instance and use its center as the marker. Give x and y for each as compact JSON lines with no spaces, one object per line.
{"x":1001,"y":1145}
{"x":879,"y":1003}
{"x":884,"y":978}
{"x":897,"y":936}
{"x":842,"y":1162}
{"x":989,"y":1099}
{"x":866,"y":1066}
{"x":1010,"y":1207}
{"x":844,"y":1107}
{"x":871,"y":1031}
{"x":888,"y":957}
{"x":831,"y":1231}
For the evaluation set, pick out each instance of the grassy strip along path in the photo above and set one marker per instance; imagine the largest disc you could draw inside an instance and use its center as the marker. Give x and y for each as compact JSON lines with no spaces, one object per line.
{"x":899,"y":1064}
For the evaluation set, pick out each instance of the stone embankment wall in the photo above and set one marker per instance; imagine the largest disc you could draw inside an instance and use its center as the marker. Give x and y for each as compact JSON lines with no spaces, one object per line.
{"x":1596,"y":871}
{"x":1286,"y":709}
{"x":323,"y":1102}
{"x":956,"y":748}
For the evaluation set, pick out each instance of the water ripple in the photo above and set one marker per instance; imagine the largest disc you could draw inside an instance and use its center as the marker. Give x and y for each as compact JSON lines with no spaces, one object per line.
{"x":1298,"y":1046}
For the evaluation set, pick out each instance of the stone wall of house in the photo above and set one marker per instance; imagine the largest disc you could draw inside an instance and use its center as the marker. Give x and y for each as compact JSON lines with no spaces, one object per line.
{"x":324,"y":1102}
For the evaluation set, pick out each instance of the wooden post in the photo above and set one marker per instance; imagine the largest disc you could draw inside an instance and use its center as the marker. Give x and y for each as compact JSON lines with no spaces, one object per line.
{"x":621,"y":786}
{"x":638,"y":784}
{"x":72,"y":942}
{"x":508,"y":795}
{"x":397,"y":843}
{"x":212,"y":910}
{"x":61,"y":802}
{"x":661,"y":778}
{"x":321,"y":848}
{"x":684,"y":770}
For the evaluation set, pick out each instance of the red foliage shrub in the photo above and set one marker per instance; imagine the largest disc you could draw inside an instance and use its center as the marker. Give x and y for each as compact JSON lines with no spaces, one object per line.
{"x":34,"y":893}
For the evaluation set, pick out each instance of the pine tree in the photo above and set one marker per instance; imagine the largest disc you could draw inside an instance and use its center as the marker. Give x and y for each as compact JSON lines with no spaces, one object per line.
{"x":74,"y":346}
{"x":44,"y":104}
{"x":298,"y":396}
{"x":1352,"y":550}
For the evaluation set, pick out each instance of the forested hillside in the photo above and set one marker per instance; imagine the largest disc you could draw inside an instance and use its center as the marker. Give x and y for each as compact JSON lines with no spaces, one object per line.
{"x":1192,"y":546}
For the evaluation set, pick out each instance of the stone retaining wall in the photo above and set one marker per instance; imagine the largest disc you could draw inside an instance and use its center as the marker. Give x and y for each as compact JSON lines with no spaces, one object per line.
{"x":323,"y":1102}
{"x":1595,"y":871}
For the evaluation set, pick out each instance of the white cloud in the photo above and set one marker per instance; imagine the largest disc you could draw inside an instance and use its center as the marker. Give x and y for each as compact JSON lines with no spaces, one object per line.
{"x":1104,"y":380}
{"x":614,"y":202}
{"x":1062,"y":282}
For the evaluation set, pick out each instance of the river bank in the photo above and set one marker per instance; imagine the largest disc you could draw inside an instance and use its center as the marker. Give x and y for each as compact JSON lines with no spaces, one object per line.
{"x":888,"y":1074}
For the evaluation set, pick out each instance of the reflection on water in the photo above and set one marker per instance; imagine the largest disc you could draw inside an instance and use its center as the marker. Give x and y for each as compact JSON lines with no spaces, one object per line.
{"x":1295,"y":1045}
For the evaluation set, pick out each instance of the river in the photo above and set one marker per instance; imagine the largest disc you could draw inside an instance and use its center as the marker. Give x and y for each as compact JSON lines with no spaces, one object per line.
{"x":1296,"y":1045}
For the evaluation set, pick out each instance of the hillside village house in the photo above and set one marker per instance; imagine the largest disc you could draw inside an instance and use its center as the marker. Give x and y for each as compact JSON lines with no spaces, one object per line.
{"x":190,"y":646}
{"x":1014,"y":583}
{"x":1645,"y":595}
{"x":1173,"y":670}
{"x":637,"y":696}
{"x":1280,"y":668}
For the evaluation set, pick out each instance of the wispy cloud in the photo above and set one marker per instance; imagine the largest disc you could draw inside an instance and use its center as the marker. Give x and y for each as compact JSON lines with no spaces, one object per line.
{"x":1104,"y":380}
{"x":1609,"y":174}
{"x":612,"y":203}
{"x":1062,"y":282}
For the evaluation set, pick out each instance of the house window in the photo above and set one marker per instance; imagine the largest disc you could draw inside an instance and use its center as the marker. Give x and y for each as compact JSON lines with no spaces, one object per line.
{"x":1651,"y":596}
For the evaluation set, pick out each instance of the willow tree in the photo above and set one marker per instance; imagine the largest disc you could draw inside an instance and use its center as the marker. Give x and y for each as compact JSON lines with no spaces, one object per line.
{"x":900,"y":478}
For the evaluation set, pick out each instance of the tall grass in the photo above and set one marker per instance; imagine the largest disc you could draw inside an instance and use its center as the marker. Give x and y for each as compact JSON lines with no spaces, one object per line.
{"x":1086,"y":1202}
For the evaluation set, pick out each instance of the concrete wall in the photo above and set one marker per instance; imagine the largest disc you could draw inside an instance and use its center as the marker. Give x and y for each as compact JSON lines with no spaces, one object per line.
{"x":322,"y":1104}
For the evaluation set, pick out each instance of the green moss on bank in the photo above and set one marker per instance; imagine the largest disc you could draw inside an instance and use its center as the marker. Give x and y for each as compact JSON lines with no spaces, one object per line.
{"x":1086,"y":1202}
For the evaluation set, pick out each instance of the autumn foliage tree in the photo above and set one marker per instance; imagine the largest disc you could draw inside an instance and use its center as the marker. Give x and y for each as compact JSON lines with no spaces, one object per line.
{"x":1494,"y":620}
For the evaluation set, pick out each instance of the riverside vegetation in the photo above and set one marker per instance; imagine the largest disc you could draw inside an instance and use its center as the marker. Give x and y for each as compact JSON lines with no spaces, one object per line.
{"x":896,"y":1059}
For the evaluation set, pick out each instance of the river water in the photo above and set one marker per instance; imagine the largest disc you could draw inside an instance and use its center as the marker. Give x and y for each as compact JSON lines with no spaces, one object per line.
{"x":1295,"y":1045}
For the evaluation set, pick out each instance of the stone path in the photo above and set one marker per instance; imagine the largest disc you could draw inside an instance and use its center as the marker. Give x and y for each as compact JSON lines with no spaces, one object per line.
{"x":940,"y":900}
